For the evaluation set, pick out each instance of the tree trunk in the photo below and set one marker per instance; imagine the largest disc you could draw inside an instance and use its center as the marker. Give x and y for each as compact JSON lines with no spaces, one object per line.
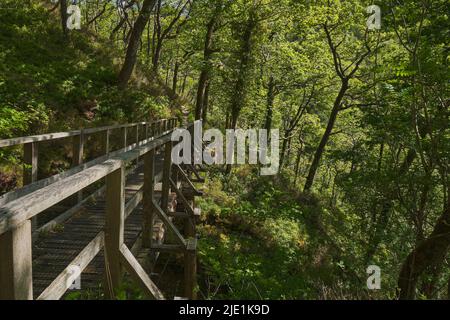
{"x":157,"y":55}
{"x":428,"y":254}
{"x":326,"y":136}
{"x":270,"y":100}
{"x":206,"y":103}
{"x":64,"y":17}
{"x":284,"y":147}
{"x":204,"y":75}
{"x":175,"y":77}
{"x":133,"y":44}
{"x":238,"y":98}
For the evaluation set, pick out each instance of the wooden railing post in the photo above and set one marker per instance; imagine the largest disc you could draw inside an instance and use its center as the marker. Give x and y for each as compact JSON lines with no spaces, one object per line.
{"x":30,"y":157}
{"x":30,"y":169}
{"x":137,"y":134}
{"x":16,"y":264}
{"x":107,"y":136}
{"x":124,"y":136}
{"x":149,"y":187}
{"x":78,"y":158}
{"x":114,"y":230}
{"x":190,"y":269}
{"x":190,"y":256}
{"x":166,"y":176}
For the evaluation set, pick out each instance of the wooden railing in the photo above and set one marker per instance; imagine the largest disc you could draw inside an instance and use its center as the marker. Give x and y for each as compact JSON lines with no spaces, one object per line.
{"x":30,"y":144}
{"x":18,"y":208}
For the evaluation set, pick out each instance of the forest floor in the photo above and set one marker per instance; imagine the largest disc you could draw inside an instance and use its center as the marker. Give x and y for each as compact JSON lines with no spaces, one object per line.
{"x":263,"y":242}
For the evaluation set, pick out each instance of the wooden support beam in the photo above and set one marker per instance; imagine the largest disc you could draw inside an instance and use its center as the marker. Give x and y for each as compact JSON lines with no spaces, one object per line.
{"x":190,"y":269}
{"x":77,"y":159}
{"x":165,"y":219}
{"x":137,"y":135}
{"x":168,"y":248}
{"x":133,"y":202}
{"x":30,"y":169}
{"x":149,"y":187}
{"x":106,"y":141}
{"x":183,"y":199}
{"x":188,"y":181}
{"x":166,"y":176}
{"x":181,"y":215}
{"x":139,"y":274}
{"x":114,"y":230}
{"x":124,"y":136}
{"x":16,"y":263}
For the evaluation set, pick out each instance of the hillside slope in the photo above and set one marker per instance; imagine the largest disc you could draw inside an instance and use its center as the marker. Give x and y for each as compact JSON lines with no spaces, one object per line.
{"x":48,"y":83}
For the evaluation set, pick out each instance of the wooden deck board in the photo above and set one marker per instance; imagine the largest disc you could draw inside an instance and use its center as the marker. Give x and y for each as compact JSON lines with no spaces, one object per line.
{"x":53,"y":252}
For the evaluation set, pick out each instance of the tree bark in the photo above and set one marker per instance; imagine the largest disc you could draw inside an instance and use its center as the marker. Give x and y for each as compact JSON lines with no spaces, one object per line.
{"x":157,"y":55}
{"x":204,"y":75}
{"x":326,"y":136}
{"x":270,"y":101}
{"x":133,"y":44}
{"x":244,"y":66}
{"x":64,"y":17}
{"x":428,"y":254}
{"x":206,"y":103}
{"x":175,"y":76}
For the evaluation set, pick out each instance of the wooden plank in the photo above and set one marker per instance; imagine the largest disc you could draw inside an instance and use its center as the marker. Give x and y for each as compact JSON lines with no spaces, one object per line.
{"x":190,"y":274}
{"x":30,"y":169}
{"x":124,"y":136}
{"x":37,"y":138}
{"x":188,"y":181}
{"x":63,"y":282}
{"x":16,"y":263}
{"x":168,"y":247}
{"x":78,"y":158}
{"x":183,"y":199}
{"x":68,"y":214}
{"x":166,"y":176}
{"x":30,"y":157}
{"x":17,"y":211}
{"x":162,"y":215}
{"x":114,"y":230}
{"x":191,"y":244}
{"x":60,"y":135}
{"x":139,"y":274}
{"x":134,"y":202}
{"x":149,"y":187}
{"x":182,"y":215}
{"x":13,"y":195}
{"x":106,"y":141}
{"x":78,"y":149}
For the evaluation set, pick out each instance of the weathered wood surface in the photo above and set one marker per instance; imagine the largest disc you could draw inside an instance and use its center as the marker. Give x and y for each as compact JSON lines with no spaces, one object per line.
{"x":16,"y":212}
{"x":61,"y":135}
{"x":53,"y":252}
{"x":106,"y":227}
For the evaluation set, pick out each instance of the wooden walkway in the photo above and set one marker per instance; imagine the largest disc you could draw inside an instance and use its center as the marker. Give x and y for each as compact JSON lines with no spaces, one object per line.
{"x":101,"y":235}
{"x":53,"y":251}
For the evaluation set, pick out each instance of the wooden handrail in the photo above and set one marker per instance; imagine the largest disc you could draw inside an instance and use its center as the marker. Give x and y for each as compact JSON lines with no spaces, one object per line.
{"x":16,"y":212}
{"x":15,"y":194}
{"x":16,"y":216}
{"x":60,"y":135}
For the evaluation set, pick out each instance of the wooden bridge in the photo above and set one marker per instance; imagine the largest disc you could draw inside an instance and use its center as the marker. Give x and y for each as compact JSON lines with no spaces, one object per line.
{"x":94,"y":218}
